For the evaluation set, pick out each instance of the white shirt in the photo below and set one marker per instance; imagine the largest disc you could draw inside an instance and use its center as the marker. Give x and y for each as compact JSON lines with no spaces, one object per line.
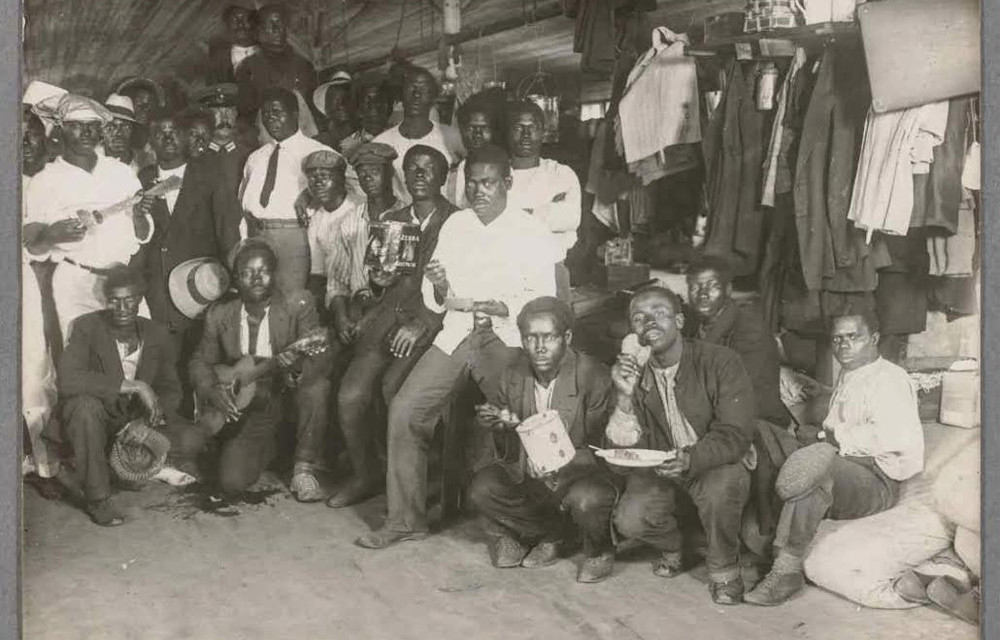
{"x":60,"y":189}
{"x":442,"y":137}
{"x":263,"y":345}
{"x":873,"y":412}
{"x":130,"y":361}
{"x":238,"y":54}
{"x":322,"y":235}
{"x":509,"y":260}
{"x":681,"y":432}
{"x":552,"y":192}
{"x":289,"y":182}
{"x":543,"y":396}
{"x":171,"y":196}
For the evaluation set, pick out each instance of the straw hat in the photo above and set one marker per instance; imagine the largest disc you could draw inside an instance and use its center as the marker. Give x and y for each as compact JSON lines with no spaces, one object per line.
{"x":319,"y":95}
{"x":121,"y":107}
{"x":138,"y":462}
{"x":197,"y":283}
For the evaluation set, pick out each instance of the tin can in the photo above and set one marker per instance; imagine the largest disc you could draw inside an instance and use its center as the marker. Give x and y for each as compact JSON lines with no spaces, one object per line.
{"x":546,"y":441}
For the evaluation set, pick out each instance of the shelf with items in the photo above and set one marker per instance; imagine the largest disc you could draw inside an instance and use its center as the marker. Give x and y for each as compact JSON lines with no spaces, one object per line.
{"x":777,"y":43}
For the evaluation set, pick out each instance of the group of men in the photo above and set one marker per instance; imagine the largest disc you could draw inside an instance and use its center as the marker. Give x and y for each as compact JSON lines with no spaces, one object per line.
{"x":218,"y":293}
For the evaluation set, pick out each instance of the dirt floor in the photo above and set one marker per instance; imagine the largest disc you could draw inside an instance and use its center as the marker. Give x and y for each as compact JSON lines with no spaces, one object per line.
{"x":280,"y":569}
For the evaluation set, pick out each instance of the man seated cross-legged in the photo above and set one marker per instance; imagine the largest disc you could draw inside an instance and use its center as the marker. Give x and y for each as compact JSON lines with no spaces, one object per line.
{"x":273,"y":340}
{"x":523,"y":506}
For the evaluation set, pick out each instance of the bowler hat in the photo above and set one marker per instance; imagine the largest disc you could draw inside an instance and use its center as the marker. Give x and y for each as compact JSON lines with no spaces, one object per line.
{"x":197,"y":283}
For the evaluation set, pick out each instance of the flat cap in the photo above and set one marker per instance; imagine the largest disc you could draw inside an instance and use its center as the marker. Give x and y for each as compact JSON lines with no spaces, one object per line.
{"x":217,"y":95}
{"x":324,"y":159}
{"x":373,"y":153}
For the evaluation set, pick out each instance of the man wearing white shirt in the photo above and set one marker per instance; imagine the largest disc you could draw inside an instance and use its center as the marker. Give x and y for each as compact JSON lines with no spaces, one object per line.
{"x":870,"y":442}
{"x":546,"y":189}
{"x":489,"y":262}
{"x":82,"y":179}
{"x":420,"y":89}
{"x":272,"y":181}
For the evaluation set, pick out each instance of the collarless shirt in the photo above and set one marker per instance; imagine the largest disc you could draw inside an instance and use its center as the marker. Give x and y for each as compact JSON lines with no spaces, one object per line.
{"x":681,"y":431}
{"x":551,"y":193}
{"x":289,"y":182}
{"x":129,"y":359}
{"x":442,"y":137}
{"x":873,"y":413}
{"x":509,"y":260}
{"x":262,"y":348}
{"x":61,"y":188}
{"x":322,"y":234}
{"x":543,"y":396}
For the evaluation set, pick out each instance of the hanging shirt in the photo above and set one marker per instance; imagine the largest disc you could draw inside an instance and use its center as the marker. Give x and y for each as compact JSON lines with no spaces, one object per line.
{"x":551,"y":193}
{"x":171,"y":196}
{"x":61,"y":188}
{"x":510,"y":260}
{"x":442,"y":137}
{"x":262,"y":347}
{"x":873,"y":413}
{"x":322,"y":234}
{"x":290,"y":180}
{"x":129,"y":359}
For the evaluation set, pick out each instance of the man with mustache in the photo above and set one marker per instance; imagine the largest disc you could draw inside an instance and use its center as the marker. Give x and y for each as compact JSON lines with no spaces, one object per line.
{"x":81,"y":180}
{"x":870,"y":442}
{"x":226,"y":54}
{"x":489,"y":262}
{"x":523,"y":507}
{"x":199,"y":220}
{"x":272,"y":182}
{"x":395,"y":326}
{"x":233,"y":139}
{"x":261,"y":322}
{"x":420,"y":90}
{"x":694,"y":400}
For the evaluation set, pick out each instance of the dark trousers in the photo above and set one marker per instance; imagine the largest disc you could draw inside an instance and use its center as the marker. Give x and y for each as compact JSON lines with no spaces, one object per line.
{"x":646,"y":512}
{"x":185,"y":337}
{"x":416,"y":409}
{"x":370,"y":371}
{"x":851,"y":488}
{"x":251,"y":443}
{"x":89,"y":427}
{"x":533,"y":513}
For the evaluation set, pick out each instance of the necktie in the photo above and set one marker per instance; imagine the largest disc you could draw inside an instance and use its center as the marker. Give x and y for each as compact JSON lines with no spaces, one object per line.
{"x":271,"y":177}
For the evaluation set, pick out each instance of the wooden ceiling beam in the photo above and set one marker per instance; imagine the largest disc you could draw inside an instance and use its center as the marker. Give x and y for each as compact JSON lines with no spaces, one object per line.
{"x":465,"y":35}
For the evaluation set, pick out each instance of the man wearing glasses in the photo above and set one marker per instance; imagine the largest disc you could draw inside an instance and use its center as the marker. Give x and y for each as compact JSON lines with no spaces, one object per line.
{"x":696,"y":401}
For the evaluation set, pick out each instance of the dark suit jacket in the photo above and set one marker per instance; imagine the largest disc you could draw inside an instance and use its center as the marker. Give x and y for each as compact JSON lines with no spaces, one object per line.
{"x":229,"y":164}
{"x":265,"y":69}
{"x":404,"y":300}
{"x":716,"y":397}
{"x":204,"y":223}
{"x":220,"y":62}
{"x":289,"y":319}
{"x":90,"y":364}
{"x":583,"y":396}
{"x":740,"y":327}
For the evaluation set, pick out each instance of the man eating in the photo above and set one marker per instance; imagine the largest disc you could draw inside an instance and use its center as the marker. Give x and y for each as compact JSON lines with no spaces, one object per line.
{"x":695,"y":401}
{"x":869,"y":443}
{"x":524,"y":506}
{"x":470,"y":278}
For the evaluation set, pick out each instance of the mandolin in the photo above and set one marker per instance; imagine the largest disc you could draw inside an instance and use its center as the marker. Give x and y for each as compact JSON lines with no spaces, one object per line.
{"x":241,"y":377}
{"x":91,"y":219}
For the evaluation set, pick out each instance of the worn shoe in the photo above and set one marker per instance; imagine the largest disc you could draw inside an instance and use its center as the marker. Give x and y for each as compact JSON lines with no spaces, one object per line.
{"x":305,"y":487}
{"x":729,"y":592}
{"x":668,"y":565}
{"x":354,"y":492}
{"x":104,"y":513}
{"x":506,"y":552}
{"x":543,"y":555}
{"x":955,"y":598}
{"x":386,"y":538}
{"x":596,"y":568}
{"x":776,"y":588}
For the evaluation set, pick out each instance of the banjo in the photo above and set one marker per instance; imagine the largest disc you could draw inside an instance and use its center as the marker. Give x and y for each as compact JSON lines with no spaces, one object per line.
{"x":91,"y":219}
